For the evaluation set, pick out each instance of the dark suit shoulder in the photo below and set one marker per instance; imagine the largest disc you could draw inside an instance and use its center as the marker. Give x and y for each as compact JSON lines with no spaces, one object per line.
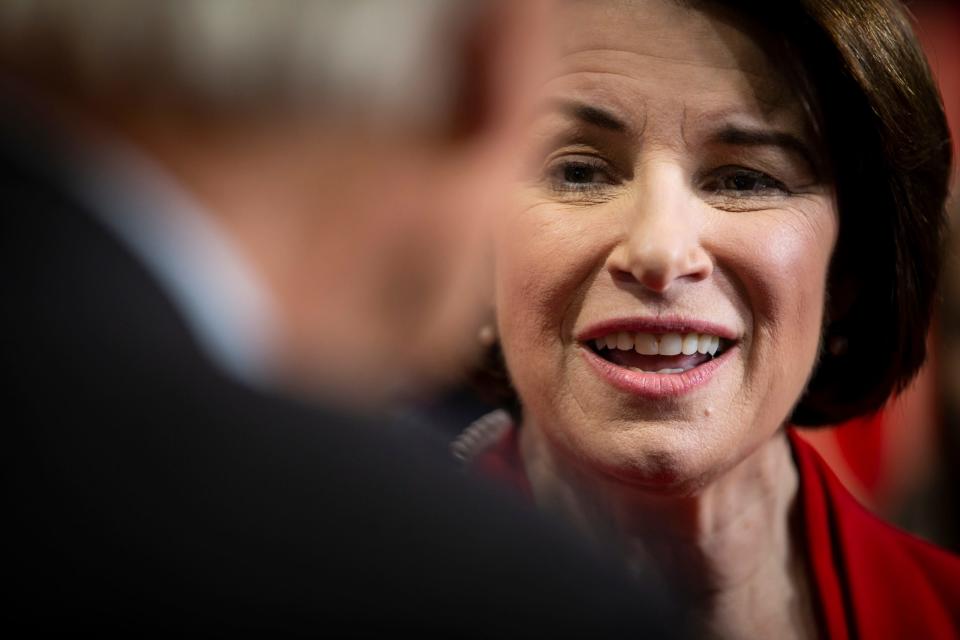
{"x":145,"y":489}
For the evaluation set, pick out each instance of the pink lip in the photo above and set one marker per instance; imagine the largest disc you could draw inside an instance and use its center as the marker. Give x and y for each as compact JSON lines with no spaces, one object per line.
{"x":656,"y":385}
{"x":665,"y":324}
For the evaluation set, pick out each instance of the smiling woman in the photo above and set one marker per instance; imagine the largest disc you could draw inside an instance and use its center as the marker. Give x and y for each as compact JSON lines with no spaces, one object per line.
{"x":730,"y":223}
{"x":669,"y":194}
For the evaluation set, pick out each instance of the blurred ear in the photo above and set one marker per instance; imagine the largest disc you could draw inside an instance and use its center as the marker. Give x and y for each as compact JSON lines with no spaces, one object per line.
{"x":501,"y":58}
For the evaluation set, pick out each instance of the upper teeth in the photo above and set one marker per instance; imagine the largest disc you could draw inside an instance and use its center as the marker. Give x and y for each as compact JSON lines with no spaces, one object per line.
{"x":668,"y":344}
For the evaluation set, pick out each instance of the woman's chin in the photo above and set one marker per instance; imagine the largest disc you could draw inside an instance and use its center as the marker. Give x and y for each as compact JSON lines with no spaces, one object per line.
{"x":667,"y":460}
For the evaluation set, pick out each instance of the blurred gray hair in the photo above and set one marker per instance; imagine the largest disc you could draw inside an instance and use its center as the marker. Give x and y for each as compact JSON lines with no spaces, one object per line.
{"x":387,"y":56}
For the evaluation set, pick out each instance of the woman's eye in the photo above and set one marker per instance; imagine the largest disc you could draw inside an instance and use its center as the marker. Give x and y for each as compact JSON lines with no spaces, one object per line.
{"x":579,"y":175}
{"x":745,"y":182}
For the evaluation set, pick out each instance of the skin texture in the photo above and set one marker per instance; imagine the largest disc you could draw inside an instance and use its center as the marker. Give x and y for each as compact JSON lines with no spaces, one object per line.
{"x":647,"y":207}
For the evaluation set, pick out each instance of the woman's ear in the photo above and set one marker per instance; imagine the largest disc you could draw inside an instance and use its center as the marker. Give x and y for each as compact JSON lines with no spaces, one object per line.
{"x":841,"y":297}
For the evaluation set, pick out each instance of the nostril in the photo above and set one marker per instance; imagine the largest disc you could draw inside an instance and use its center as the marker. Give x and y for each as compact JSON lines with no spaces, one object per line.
{"x":657,"y":265}
{"x":657,"y":280}
{"x":620,"y":275}
{"x":654,"y":279}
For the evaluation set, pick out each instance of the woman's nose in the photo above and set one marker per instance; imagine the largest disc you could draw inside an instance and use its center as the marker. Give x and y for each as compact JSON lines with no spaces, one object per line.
{"x":662,"y":245}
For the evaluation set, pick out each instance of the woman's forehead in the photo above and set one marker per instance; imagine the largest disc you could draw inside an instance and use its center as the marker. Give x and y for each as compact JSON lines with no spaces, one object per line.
{"x":663,"y":29}
{"x":636,"y":56}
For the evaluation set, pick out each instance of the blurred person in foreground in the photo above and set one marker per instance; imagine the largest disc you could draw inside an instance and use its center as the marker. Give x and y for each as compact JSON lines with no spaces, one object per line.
{"x":732,"y":224}
{"x":220,"y":217}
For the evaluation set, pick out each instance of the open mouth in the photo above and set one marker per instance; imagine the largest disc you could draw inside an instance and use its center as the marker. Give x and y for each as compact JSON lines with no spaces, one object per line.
{"x":666,"y":353}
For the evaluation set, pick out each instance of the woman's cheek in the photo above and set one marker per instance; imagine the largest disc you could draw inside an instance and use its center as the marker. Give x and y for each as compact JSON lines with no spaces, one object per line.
{"x":802,"y":247}
{"x":787,"y":312}
{"x":541,"y":261}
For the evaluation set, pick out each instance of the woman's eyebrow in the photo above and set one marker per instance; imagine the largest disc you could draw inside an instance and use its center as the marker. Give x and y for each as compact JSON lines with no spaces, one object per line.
{"x":588,"y":114}
{"x":752,"y":137}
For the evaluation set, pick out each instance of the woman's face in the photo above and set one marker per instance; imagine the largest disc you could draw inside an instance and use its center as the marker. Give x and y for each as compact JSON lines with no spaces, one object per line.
{"x":675,"y":204}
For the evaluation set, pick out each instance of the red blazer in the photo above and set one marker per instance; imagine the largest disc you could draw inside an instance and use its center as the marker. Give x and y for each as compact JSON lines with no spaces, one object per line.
{"x":870,"y":580}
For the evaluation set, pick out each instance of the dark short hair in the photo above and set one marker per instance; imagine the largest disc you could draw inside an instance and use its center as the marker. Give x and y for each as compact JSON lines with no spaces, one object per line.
{"x":885,"y":135}
{"x":872,"y":100}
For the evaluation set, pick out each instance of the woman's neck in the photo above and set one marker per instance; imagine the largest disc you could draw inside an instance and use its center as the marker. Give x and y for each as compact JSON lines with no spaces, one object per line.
{"x":729,"y":547}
